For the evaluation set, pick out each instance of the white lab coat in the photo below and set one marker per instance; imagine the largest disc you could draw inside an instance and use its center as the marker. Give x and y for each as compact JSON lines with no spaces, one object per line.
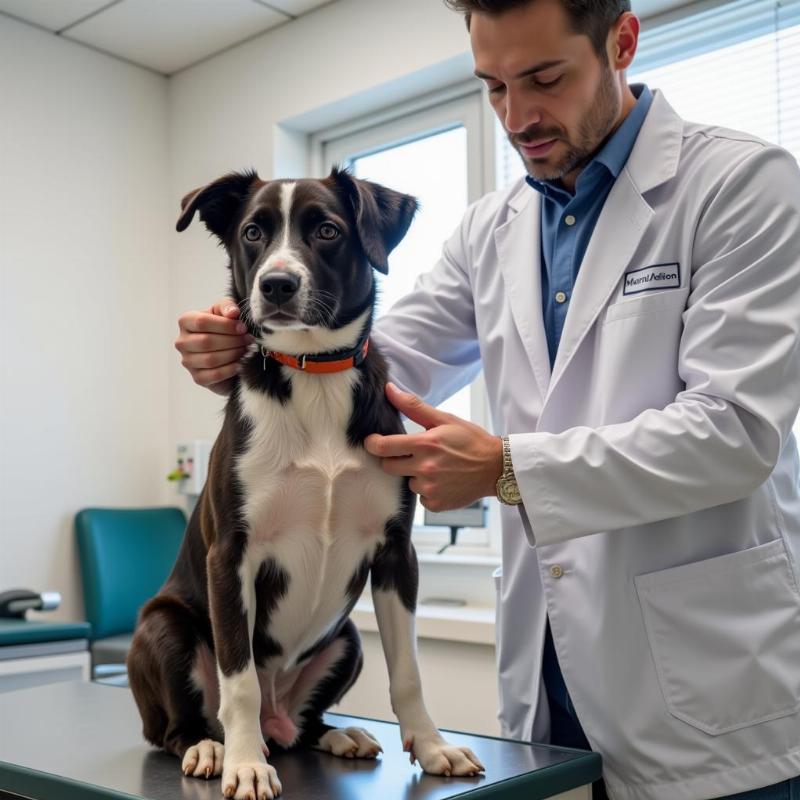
{"x":658,"y":471}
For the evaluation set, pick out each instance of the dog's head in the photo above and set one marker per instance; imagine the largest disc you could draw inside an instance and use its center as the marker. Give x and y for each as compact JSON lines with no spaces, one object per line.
{"x":302,"y":252}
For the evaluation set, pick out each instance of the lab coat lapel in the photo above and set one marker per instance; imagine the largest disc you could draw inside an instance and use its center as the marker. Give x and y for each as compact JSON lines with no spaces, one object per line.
{"x":620,"y":227}
{"x":617,"y":234}
{"x":519,"y":252}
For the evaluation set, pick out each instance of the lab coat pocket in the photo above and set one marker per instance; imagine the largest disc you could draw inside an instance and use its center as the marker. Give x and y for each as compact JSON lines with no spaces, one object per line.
{"x":666,"y":300}
{"x":725,"y":637}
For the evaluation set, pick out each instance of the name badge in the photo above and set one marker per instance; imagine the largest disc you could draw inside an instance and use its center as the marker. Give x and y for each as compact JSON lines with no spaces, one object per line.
{"x":659,"y":276}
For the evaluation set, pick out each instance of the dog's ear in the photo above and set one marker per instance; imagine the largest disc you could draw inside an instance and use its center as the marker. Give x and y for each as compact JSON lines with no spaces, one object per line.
{"x":382,"y":215}
{"x":217,"y":202}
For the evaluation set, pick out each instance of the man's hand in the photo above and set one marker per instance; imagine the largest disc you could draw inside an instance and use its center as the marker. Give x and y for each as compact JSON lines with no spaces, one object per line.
{"x":211,"y":343}
{"x":451,"y":464}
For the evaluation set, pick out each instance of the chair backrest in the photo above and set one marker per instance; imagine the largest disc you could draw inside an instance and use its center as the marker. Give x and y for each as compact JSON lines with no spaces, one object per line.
{"x":126,"y":554}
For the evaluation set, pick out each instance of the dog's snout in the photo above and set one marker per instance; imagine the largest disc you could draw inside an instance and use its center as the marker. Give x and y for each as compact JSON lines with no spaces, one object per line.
{"x":279,"y":287}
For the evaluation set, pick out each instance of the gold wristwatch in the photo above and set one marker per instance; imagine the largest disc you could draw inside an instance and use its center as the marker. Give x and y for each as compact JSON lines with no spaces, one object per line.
{"x":507,"y":489}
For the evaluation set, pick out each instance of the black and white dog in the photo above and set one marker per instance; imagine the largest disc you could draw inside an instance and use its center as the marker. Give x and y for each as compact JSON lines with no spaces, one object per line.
{"x":249,"y":640}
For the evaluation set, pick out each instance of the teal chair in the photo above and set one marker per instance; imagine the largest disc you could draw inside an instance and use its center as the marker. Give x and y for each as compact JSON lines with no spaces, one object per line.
{"x":126,"y":555}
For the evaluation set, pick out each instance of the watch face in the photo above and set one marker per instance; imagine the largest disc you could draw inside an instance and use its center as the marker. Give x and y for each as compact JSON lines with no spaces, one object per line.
{"x":508,"y":492}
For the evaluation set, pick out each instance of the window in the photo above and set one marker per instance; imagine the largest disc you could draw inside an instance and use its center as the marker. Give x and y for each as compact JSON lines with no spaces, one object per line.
{"x":432,"y":150}
{"x":739,"y":69}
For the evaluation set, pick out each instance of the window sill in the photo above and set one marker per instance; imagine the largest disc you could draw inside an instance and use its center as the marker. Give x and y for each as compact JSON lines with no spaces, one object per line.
{"x":457,"y":556}
{"x":471,"y":624}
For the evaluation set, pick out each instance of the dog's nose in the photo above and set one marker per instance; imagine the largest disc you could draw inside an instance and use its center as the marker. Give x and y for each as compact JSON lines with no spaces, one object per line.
{"x":279,"y":287}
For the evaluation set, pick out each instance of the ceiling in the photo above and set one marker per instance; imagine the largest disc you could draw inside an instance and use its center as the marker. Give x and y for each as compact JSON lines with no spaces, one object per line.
{"x":169,"y":35}
{"x":161,"y":35}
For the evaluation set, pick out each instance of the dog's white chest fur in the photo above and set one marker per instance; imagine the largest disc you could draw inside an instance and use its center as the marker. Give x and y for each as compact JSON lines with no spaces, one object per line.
{"x":314,"y":505}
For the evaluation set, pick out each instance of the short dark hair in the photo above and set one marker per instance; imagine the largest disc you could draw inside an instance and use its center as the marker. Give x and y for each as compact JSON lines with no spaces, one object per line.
{"x":593,"y":18}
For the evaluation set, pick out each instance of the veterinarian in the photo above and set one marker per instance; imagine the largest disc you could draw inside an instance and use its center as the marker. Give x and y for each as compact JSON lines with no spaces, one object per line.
{"x":635,"y":307}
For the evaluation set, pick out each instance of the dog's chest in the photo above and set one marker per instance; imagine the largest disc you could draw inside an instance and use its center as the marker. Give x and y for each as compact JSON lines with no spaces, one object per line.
{"x":314,"y":505}
{"x":300,"y":474}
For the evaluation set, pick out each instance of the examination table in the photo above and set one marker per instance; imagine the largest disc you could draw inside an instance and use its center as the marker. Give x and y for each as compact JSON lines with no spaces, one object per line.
{"x":76,"y":740}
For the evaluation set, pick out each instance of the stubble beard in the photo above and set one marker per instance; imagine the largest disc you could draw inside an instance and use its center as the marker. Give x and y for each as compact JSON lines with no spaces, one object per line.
{"x":592,"y":129}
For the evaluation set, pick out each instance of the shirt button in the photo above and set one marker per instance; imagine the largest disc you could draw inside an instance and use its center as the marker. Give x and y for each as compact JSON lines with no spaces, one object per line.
{"x":561,"y":297}
{"x":556,"y":571}
{"x":569,"y":220}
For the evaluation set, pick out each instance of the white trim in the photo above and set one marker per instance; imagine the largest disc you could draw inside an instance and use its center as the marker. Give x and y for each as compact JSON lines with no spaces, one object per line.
{"x":669,"y":15}
{"x":319,"y":140}
{"x":461,"y":556}
{"x":488,"y":134}
{"x":40,"y":664}
{"x":416,"y":121}
{"x":474,"y":624}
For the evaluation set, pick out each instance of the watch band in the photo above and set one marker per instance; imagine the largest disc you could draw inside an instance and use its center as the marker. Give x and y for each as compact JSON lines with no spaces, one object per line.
{"x":508,"y":467}
{"x":507,"y":488}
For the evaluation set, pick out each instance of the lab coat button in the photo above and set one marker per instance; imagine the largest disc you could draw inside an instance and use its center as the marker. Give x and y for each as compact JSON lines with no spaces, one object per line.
{"x":556,"y":571}
{"x":561,"y":297}
{"x":569,"y":220}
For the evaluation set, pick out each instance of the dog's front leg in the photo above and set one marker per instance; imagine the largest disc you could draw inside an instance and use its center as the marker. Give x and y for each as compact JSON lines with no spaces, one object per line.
{"x":394,"y":594}
{"x":231,"y":588}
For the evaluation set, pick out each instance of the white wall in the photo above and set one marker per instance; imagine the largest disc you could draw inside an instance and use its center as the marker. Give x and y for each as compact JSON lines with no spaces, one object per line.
{"x":458,"y":683}
{"x":85,"y":323}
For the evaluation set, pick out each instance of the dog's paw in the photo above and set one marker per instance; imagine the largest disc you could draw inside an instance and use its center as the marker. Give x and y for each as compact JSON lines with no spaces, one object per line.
{"x":253,"y":780}
{"x":349,"y":743}
{"x":438,"y":757}
{"x":204,"y":759}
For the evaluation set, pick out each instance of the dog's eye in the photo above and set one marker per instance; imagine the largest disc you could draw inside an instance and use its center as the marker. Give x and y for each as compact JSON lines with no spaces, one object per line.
{"x":327,"y":231}
{"x":252,"y":233}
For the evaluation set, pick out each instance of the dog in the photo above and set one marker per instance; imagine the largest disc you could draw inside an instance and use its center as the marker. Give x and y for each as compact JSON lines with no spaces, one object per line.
{"x":249,"y":641}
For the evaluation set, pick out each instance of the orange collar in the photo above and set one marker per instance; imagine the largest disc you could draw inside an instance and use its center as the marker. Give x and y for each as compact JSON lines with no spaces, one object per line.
{"x":323,"y":363}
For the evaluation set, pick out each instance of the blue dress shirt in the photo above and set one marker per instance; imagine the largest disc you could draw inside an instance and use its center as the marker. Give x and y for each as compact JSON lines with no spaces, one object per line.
{"x":568,"y":220}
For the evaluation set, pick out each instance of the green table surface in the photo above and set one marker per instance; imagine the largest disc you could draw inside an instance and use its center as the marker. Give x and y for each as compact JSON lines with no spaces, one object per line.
{"x":22,"y":631}
{"x":71,"y":741}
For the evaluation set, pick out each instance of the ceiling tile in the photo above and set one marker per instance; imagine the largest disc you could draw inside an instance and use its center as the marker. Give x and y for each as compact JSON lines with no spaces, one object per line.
{"x":295,"y":7}
{"x":51,"y":14}
{"x":167,"y":36}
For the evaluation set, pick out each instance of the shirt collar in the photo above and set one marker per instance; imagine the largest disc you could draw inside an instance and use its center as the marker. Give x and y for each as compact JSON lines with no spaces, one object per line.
{"x":614,"y":153}
{"x":616,"y":150}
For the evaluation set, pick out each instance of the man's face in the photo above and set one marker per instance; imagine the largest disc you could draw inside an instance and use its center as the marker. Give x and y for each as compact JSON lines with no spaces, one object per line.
{"x":556,"y":100}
